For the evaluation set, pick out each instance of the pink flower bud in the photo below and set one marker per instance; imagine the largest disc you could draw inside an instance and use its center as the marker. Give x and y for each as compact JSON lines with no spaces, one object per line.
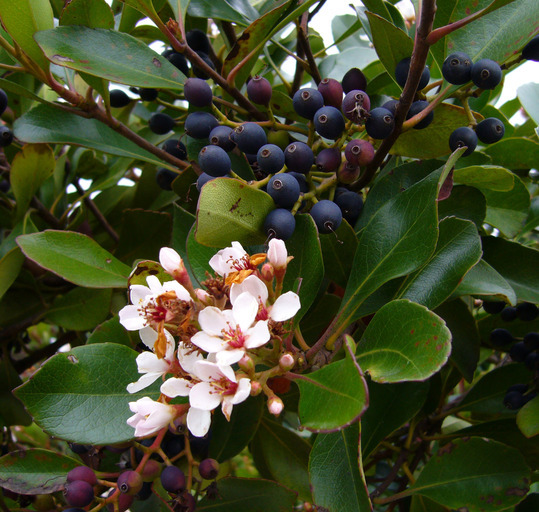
{"x":277,"y":253}
{"x":256,"y":388}
{"x":203,"y":296}
{"x":246,"y":364}
{"x":275,"y":405}
{"x":267,"y":272}
{"x":172,"y":262}
{"x":286,"y":362}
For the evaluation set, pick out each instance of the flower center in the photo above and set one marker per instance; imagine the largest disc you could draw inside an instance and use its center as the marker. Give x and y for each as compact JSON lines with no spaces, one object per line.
{"x":234,"y":337}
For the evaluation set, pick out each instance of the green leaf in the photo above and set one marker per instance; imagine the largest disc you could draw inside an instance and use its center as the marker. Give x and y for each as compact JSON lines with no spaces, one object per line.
{"x":458,"y":249}
{"x":524,"y":278}
{"x":340,"y":386}
{"x":335,"y":469}
{"x":488,"y":177}
{"x":30,"y":168}
{"x":12,"y":411}
{"x":98,"y":14}
{"x":404,"y":341}
{"x":483,"y":476}
{"x":283,"y":455}
{"x":22,"y":19}
{"x":307,"y":264}
{"x":465,"y":203}
{"x":76,"y":258}
{"x":514,"y":153}
{"x":147,"y":268}
{"x":338,"y":252}
{"x":198,"y":257}
{"x":35,"y":471}
{"x":45,"y":123}
{"x":111,"y":331}
{"x":81,"y":395}
{"x":228,"y":211}
{"x":249,"y":494}
{"x":80,"y":309}
{"x":236,"y":11}
{"x":528,"y":94}
{"x":10,"y":266}
{"x":112,"y":55}
{"x":528,"y":418}
{"x":390,"y":407}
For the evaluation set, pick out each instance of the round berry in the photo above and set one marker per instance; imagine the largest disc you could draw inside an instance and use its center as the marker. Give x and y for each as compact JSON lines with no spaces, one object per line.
{"x":145,"y":491}
{"x":526,"y":311}
{"x":391,"y":105}
{"x":532,"y":361}
{"x":518,"y":352}
{"x":3,"y":101}
{"x":493,"y":307}
{"x":208,"y":469}
{"x":279,"y":223}
{"x":82,"y":473}
{"x":164,"y":178}
{"x":147,"y":94}
{"x":214,"y":160}
{"x":307,"y":101}
{"x":402,"y":70}
{"x":199,"y":124}
{"x":259,"y":90}
{"x":161,"y":123}
{"x":508,"y":314}
{"x":350,"y":204}
{"x":44,"y":503}
{"x":302,"y":181}
{"x":299,"y":157}
{"x":175,"y":147}
{"x":177,"y":60}
{"x":198,"y":40}
{"x":531,"y":50}
{"x":359,"y":152}
{"x":355,"y":105}
{"x":416,"y":108}
{"x":6,"y":136}
{"x":129,"y":482}
{"x":500,"y":337}
{"x":513,"y":400}
{"x":119,"y":98}
{"x":328,"y":160}
{"x":457,"y":68}
{"x":173,"y":479}
{"x":532,"y":340}
{"x":222,"y":136}
{"x":486,"y":74}
{"x":124,"y":502}
{"x":490,"y":130}
{"x":284,"y":190}
{"x":250,"y":137}
{"x":79,"y":493}
{"x":329,"y":122}
{"x":198,"y":72}
{"x":521,"y":388}
{"x":463,"y":137}
{"x":151,"y":470}
{"x":327,"y":216}
{"x":270,"y":158}
{"x":353,"y":79}
{"x":380,"y":123}
{"x":332,"y":91}
{"x":201,"y":181}
{"x":348,"y":172}
{"x":197,"y":92}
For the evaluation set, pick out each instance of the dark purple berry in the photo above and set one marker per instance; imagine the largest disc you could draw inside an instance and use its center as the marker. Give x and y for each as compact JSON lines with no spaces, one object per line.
{"x":187,"y":501}
{"x":380,"y":123}
{"x":359,"y":152}
{"x":145,"y":491}
{"x":175,"y":147}
{"x":490,"y":130}
{"x":391,"y":105}
{"x":521,"y":388}
{"x":402,"y":70}
{"x":302,"y":181}
{"x":532,"y":361}
{"x":201,"y":181}
{"x":119,"y":98}
{"x":307,"y":101}
{"x":173,"y":479}
{"x":148,"y":94}
{"x":279,"y":223}
{"x":332,"y":91}
{"x":3,"y":101}
{"x":353,"y":79}
{"x":161,"y":123}
{"x":284,"y":190}
{"x":531,"y":50}
{"x":79,"y":493}
{"x":327,"y":216}
{"x":299,"y":157}
{"x":259,"y":90}
{"x":222,"y":136}
{"x":457,"y":68}
{"x":82,"y":473}
{"x":486,"y":74}
{"x":177,"y":60}
{"x":250,"y":137}
{"x":6,"y":136}
{"x":328,"y":160}
{"x":348,"y":172}
{"x":164,"y":178}
{"x":518,"y":352}
{"x":198,"y":40}
{"x":526,"y":311}
{"x":197,"y":92}
{"x":500,"y":337}
{"x":200,"y":73}
{"x":532,"y":340}
{"x":129,"y":482}
{"x":199,"y":124}
{"x":124,"y":502}
{"x":355,"y":105}
{"x":513,"y":400}
{"x":509,"y":314}
{"x":329,"y":122}
{"x":208,"y":469}
{"x":493,"y":307}
{"x":416,"y":108}
{"x":174,"y":444}
{"x":463,"y":137}
{"x":350,"y":204}
{"x":270,"y":158}
{"x":214,"y":160}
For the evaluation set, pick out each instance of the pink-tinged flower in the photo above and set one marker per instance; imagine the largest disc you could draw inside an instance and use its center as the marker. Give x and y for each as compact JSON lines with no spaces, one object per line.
{"x":277,"y":253}
{"x":234,"y":264}
{"x":173,"y":264}
{"x":229,"y":333}
{"x":284,"y":308}
{"x":150,"y":416}
{"x":275,"y":405}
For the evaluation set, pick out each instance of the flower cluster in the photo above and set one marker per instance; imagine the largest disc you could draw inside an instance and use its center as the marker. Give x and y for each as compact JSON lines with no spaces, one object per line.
{"x":205,"y":344}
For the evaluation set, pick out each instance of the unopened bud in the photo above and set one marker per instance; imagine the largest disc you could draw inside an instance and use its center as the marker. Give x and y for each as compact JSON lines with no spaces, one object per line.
{"x":275,"y":405}
{"x":172,"y":262}
{"x":277,"y":253}
{"x":267,"y":272}
{"x":203,"y":296}
{"x":286,"y":362}
{"x":246,"y":364}
{"x":256,"y":388}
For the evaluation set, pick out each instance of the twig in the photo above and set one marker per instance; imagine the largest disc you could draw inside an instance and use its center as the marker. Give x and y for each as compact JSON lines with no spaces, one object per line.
{"x":44,"y":352}
{"x":45,"y":214}
{"x":303,"y":39}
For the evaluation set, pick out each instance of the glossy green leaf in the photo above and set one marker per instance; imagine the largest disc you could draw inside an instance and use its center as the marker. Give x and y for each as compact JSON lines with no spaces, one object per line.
{"x":390,"y":407}
{"x":480,"y":475}
{"x":465,"y":203}
{"x":76,"y":258}
{"x":198,"y":257}
{"x":528,"y":418}
{"x":338,"y":252}
{"x":50,"y":125}
{"x":340,"y":386}
{"x":532,"y":220}
{"x":30,"y":168}
{"x":81,"y":395}
{"x":458,"y":249}
{"x":98,"y":14}
{"x":307,"y":265}
{"x":229,"y":210}
{"x":336,"y":477}
{"x":147,"y":268}
{"x":80,"y":309}
{"x":236,"y":11}
{"x":22,"y":19}
{"x":284,"y":456}
{"x":514,"y":153}
{"x":524,"y":278}
{"x":144,"y":6}
{"x":424,"y":504}
{"x":404,"y":341}
{"x":249,"y":494}
{"x":528,"y":94}
{"x":111,"y":331}
{"x":10,"y":266}
{"x":112,"y":55}
{"x":488,"y":177}
{"x":35,"y":471}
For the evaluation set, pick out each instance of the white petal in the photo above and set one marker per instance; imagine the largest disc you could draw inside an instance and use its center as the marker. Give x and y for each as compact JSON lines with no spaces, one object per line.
{"x":174,"y":286}
{"x":138,"y":293}
{"x":208,"y":343}
{"x":174,"y":387}
{"x":277,"y":253}
{"x":258,"y":335}
{"x":208,"y":371}
{"x":155,"y":285}
{"x":187,"y":358}
{"x":131,"y":318}
{"x":145,"y":380}
{"x":228,"y":357}
{"x":198,"y":421}
{"x":148,"y":362}
{"x":203,"y":396}
{"x":148,"y":336}
{"x":170,"y":260}
{"x":227,"y":406}
{"x":212,"y":321}
{"x":171,"y":346}
{"x":243,"y":391}
{"x":244,"y":310}
{"x":285,"y":307}
{"x":252,"y":285}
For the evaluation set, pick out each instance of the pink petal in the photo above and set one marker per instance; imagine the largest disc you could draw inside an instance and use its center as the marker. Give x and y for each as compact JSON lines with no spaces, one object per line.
{"x":198,"y":421}
{"x":258,"y":335}
{"x":277,"y":254}
{"x":243,"y":391}
{"x":203,"y":396}
{"x":285,"y":307}
{"x":208,"y":371}
{"x":208,"y":343}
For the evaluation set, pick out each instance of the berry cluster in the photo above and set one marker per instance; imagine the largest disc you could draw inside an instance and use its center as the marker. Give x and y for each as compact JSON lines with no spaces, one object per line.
{"x":6,"y":135}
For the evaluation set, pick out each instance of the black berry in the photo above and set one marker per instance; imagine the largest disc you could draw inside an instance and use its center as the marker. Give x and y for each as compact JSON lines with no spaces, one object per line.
{"x":457,"y":68}
{"x":328,"y":160}
{"x":332,"y":91}
{"x":391,"y":105}
{"x":359,"y":152}
{"x":532,"y":340}
{"x":200,"y":73}
{"x":197,"y":92}
{"x":119,"y":98}
{"x":307,"y":101}
{"x":403,"y":68}
{"x":222,"y":136}
{"x":270,"y":158}
{"x":355,"y":105}
{"x":250,"y":137}
{"x":486,"y":74}
{"x":279,"y":223}
{"x":531,"y":50}
{"x":490,"y":130}
{"x":509,"y":314}
{"x":199,"y":124}
{"x":177,"y":60}
{"x":6,"y":136}
{"x":259,"y":90}
{"x":284,"y":190}
{"x":3,"y":101}
{"x":198,"y":40}
{"x":79,"y":493}
{"x":462,"y":137}
{"x":526,"y":311}
{"x":327,"y":216}
{"x":329,"y":122}
{"x":148,"y":94}
{"x":161,"y":123}
{"x":164,"y":178}
{"x":353,"y":79}
{"x":173,"y":479}
{"x":380,"y":123}
{"x":532,"y":361}
{"x":299,"y":157}
{"x":214,"y":160}
{"x":518,"y":352}
{"x":416,"y":108}
{"x":175,"y":148}
{"x":350,"y":204}
{"x":514,"y":400}
{"x":201,"y":181}
{"x":493,"y":307}
{"x":500,"y":337}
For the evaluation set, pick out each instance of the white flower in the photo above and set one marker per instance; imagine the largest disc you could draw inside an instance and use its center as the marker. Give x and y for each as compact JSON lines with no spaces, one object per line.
{"x":171,"y":261}
{"x":150,"y":416}
{"x":277,"y":254}
{"x":229,"y":333}
{"x":230,"y":259}
{"x":284,"y":308}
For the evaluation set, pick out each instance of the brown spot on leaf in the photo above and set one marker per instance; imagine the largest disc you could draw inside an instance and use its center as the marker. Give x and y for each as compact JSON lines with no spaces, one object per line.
{"x":516,"y":491}
{"x":235,"y":205}
{"x":448,"y":448}
{"x":412,"y":331}
{"x":72,"y":359}
{"x":62,"y":58}
{"x":156,"y":62}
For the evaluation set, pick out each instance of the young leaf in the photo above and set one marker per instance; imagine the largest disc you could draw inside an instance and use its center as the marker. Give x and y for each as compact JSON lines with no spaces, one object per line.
{"x":528,"y":418}
{"x":80,"y":12}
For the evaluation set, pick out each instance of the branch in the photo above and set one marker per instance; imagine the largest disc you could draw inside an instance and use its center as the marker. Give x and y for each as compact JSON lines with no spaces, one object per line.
{"x":303,"y":39}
